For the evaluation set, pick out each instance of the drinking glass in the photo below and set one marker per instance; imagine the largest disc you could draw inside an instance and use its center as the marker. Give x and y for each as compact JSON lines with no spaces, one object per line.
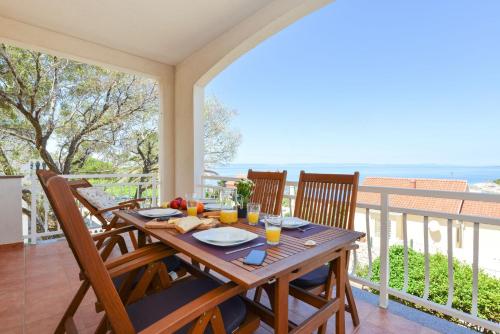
{"x":192,"y":208}
{"x":273,"y":229}
{"x":191,"y":205}
{"x":229,"y":211}
{"x":253,"y":211}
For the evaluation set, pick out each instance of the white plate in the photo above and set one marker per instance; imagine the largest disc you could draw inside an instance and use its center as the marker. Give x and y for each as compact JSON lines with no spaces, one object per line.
{"x":225,"y":236}
{"x":155,"y":213}
{"x":215,"y":207}
{"x":293,"y":222}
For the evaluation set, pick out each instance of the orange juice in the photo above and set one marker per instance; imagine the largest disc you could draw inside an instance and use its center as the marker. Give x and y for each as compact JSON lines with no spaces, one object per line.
{"x":273,"y":235}
{"x":228,"y":216}
{"x":253,"y":218}
{"x":192,"y":211}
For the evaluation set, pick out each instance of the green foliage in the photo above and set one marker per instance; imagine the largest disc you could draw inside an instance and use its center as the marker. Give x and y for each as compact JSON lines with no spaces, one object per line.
{"x":95,"y":166}
{"x":497,"y":181}
{"x":67,"y":111}
{"x":221,"y":141}
{"x":488,"y":286}
{"x":244,"y":188}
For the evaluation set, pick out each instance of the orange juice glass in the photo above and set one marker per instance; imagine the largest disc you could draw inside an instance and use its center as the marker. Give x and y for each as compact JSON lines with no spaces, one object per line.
{"x":273,"y":229}
{"x":253,"y":211}
{"x":228,"y":216}
{"x":192,"y":207}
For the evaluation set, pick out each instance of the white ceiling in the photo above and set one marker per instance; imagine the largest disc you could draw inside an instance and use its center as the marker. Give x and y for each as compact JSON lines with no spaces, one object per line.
{"x":163,"y":30}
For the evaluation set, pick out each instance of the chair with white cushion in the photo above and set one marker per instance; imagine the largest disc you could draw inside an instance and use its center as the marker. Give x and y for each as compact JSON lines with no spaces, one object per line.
{"x":101,"y":205}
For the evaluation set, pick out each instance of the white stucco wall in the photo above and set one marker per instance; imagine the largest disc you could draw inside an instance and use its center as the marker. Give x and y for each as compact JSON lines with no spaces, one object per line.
{"x":11,"y":209}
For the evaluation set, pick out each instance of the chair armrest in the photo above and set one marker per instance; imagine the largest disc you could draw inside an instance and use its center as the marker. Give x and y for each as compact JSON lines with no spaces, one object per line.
{"x":150,"y":248}
{"x":116,"y":231}
{"x":116,"y":207}
{"x":132,"y":201}
{"x":191,"y":311}
{"x":133,"y":260}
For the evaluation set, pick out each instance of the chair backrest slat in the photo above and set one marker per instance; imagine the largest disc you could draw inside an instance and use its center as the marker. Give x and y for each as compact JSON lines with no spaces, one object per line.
{"x":85,"y":251}
{"x":268,"y":190}
{"x":327,"y":199}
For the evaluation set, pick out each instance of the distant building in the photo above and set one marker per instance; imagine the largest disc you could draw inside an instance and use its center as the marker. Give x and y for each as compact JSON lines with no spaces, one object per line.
{"x":489,"y":257}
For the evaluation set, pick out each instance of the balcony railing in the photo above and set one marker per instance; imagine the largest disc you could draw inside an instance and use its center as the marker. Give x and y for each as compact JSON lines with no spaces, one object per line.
{"x":212,"y":184}
{"x":43,"y":225}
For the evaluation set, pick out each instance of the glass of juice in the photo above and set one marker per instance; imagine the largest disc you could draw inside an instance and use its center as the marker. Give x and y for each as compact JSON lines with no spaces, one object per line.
{"x":191,"y":205}
{"x":253,"y":211}
{"x":273,"y":229}
{"x":228,"y":216}
{"x":228,"y":208}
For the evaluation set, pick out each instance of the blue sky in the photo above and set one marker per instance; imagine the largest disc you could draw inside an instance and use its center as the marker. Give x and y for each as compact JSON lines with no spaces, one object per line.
{"x":365,"y":81}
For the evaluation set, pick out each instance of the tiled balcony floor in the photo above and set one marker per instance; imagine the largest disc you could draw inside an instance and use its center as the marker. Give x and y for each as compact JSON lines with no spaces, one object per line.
{"x":37,"y":283}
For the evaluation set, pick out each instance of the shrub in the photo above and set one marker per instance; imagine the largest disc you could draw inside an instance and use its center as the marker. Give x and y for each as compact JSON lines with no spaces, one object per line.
{"x":488,"y":286}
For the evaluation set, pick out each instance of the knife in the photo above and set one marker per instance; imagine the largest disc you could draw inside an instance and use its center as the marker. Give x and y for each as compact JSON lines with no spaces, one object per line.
{"x":244,"y":248}
{"x":307,"y":228}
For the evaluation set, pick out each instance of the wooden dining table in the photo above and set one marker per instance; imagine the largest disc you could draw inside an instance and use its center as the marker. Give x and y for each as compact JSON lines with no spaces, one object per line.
{"x":285,"y":262}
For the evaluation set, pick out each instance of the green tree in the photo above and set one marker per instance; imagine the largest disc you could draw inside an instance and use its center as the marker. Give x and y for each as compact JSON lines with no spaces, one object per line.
{"x":64,"y":110}
{"x":221,"y":141}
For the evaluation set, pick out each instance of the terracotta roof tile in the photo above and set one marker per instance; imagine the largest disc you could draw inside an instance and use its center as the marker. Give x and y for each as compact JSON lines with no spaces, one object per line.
{"x":415,"y":202}
{"x":484,"y":209}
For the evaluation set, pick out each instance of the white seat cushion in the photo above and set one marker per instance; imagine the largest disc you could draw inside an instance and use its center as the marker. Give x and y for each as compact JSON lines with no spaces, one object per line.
{"x":99,"y":199}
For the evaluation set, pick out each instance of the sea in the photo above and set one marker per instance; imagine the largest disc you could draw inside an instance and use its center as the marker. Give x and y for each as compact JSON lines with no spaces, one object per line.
{"x":471,"y":174}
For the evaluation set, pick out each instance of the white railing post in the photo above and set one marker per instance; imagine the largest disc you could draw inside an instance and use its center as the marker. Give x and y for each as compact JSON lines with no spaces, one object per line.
{"x":405,"y":247}
{"x":368,"y":242}
{"x":202,"y":186}
{"x":449,"y":233}
{"x":384,"y":250}
{"x":154,"y":190}
{"x":475,"y":268}
{"x":34,"y":197}
{"x":426,"y":258}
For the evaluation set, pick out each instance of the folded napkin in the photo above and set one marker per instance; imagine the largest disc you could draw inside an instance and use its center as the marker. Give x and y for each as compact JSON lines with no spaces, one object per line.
{"x":184,"y":224}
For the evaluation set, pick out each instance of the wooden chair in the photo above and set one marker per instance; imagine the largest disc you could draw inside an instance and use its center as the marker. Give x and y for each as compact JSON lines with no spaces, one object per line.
{"x":105,"y":216}
{"x":327,"y":199}
{"x":156,"y":257}
{"x":190,"y":304}
{"x":268,"y":190}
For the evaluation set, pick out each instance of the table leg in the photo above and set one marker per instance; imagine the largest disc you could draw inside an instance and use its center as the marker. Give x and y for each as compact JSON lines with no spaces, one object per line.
{"x":141,"y":238}
{"x":281,"y":305}
{"x":341,"y":275}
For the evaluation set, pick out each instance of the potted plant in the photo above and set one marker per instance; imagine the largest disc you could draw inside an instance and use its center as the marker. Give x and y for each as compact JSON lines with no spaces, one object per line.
{"x":244,"y":189}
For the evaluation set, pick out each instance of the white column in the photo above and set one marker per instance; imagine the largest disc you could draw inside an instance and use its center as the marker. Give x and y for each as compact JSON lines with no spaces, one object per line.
{"x":167,"y":135}
{"x":11,"y":208}
{"x":189,"y":101}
